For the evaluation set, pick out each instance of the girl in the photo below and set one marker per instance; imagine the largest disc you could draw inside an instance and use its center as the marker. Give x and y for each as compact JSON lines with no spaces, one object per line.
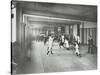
{"x":77,"y":52}
{"x":67,"y":44}
{"x":50,"y":43}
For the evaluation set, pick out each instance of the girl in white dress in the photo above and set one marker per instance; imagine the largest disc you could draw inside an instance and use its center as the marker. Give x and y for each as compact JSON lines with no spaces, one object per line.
{"x":67,"y":44}
{"x":77,"y":52}
{"x":50,"y":44}
{"x":62,"y":38}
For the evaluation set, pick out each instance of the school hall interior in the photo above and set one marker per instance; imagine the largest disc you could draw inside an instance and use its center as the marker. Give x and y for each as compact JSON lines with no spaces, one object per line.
{"x":31,"y":21}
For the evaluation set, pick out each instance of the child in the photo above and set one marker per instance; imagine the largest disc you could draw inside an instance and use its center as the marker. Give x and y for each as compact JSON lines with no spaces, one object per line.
{"x":50,"y":43}
{"x":90,"y":45}
{"x":77,"y":52}
{"x":67,"y":44}
{"x":62,"y":41}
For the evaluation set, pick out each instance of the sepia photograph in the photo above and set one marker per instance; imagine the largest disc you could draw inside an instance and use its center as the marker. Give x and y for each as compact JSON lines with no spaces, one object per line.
{"x":51,"y":37}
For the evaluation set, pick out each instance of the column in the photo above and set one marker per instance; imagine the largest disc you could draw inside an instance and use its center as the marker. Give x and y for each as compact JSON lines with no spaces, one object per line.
{"x":78,"y":29}
{"x":13,"y":25}
{"x":26,"y":26}
{"x":82,"y":33}
{"x":75,"y":30}
{"x":19,"y":24}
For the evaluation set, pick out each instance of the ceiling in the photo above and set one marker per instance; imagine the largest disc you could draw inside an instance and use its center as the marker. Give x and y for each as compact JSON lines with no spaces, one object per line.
{"x":66,"y":11}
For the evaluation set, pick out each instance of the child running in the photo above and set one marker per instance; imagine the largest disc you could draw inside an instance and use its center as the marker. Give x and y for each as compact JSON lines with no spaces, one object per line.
{"x":77,"y":52}
{"x":50,"y":44}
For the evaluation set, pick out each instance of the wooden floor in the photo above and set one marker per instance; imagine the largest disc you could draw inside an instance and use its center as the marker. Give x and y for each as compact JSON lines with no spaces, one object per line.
{"x":61,"y":61}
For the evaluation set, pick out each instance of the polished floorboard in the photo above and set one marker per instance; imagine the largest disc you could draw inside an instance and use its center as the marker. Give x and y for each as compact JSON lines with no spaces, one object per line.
{"x":61,"y":61}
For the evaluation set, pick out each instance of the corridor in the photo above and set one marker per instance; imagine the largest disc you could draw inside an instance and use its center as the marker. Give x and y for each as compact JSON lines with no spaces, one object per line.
{"x":61,"y":61}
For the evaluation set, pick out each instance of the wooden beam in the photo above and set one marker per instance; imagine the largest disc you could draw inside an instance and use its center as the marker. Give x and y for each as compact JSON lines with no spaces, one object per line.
{"x":57,"y":15}
{"x":54,"y":22}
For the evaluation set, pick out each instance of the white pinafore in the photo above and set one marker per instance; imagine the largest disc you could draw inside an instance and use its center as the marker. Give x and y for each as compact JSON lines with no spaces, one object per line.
{"x":50,"y":43}
{"x":66,"y":44}
{"x":77,"y":49}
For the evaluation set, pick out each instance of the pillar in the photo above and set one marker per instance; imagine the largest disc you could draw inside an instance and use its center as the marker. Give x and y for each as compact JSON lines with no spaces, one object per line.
{"x":13,"y":25}
{"x":26,"y":27}
{"x":75,"y":30}
{"x":82,"y":33}
{"x":78,"y":29}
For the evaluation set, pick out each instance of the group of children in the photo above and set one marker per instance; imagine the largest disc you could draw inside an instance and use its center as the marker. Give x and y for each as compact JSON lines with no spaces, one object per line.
{"x":65,"y":43}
